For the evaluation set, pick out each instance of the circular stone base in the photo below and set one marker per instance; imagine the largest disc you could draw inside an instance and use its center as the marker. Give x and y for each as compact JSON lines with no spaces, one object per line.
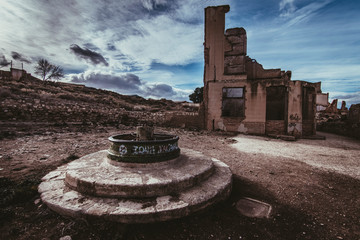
{"x":147,"y":180}
{"x":66,"y":201}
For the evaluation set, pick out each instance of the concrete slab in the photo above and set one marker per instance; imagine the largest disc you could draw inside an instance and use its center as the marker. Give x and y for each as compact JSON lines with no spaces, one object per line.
{"x":253,"y":208}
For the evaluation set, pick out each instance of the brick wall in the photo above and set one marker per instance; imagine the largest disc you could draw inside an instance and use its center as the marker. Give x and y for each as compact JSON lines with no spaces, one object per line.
{"x":275,"y":127}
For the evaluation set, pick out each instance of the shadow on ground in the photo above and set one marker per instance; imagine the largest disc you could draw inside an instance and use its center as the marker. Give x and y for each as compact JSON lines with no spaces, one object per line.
{"x":221,"y":221}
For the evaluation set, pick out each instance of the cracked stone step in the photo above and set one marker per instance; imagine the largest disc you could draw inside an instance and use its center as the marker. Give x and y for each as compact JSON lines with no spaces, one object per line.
{"x":100,"y":178}
{"x":66,"y":201}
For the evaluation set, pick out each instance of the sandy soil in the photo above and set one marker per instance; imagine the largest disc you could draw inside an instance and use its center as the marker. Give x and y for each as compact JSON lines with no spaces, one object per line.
{"x":337,"y":154}
{"x":313,"y":186}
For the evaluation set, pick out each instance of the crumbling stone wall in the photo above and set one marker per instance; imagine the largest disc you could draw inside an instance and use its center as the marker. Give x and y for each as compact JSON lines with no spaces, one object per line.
{"x":275,"y":127}
{"x":192,"y":121}
{"x":6,"y":75}
{"x":235,"y":86}
{"x":235,"y":51}
{"x":340,"y":121}
{"x":354,"y":114}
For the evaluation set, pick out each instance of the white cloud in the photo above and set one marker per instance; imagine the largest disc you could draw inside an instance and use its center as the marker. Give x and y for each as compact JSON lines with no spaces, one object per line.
{"x":349,"y":97}
{"x":129,"y":84}
{"x":331,"y":72}
{"x":287,"y":7}
{"x":311,"y":38}
{"x":151,"y":4}
{"x":163,"y":40}
{"x":296,"y":16}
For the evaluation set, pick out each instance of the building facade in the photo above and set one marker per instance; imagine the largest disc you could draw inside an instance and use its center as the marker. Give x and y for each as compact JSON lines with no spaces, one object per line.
{"x":241,"y":96}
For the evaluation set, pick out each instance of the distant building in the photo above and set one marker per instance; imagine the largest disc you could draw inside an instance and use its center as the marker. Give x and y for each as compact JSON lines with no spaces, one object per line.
{"x":241,"y":96}
{"x":15,"y":74}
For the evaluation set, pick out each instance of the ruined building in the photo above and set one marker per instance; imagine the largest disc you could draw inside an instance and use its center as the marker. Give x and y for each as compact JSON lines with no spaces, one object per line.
{"x":241,"y":96}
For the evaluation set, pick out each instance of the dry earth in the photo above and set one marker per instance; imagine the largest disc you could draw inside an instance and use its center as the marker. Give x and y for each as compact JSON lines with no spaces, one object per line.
{"x":313,"y":186}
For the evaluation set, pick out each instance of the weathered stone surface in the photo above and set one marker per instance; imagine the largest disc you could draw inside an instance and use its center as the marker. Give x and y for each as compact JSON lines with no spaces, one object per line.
{"x":227,"y":46}
{"x":144,"y":181}
{"x":66,"y":201}
{"x":253,"y":208}
{"x":239,"y":48}
{"x":236,"y":69}
{"x":234,"y":60}
{"x":235,"y":39}
{"x":65,"y":238}
{"x":235,"y":31}
{"x":354,"y":113}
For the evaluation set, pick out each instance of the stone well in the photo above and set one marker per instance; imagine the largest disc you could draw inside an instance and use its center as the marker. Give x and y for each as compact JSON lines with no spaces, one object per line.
{"x":137,"y":180}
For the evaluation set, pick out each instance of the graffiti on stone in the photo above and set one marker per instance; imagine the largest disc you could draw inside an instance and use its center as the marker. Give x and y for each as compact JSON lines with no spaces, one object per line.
{"x":167,"y":148}
{"x":143,"y":150}
{"x":122,"y":149}
{"x":294,"y":117}
{"x":140,"y":149}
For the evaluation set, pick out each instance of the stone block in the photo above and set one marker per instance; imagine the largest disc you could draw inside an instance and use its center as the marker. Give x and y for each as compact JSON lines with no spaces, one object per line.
{"x":227,"y":46}
{"x":235,"y":39}
{"x":239,"y":48}
{"x":235,"y":32}
{"x":178,"y":203}
{"x":236,"y":69}
{"x":253,"y":208}
{"x":275,"y":127}
{"x":234,"y":60}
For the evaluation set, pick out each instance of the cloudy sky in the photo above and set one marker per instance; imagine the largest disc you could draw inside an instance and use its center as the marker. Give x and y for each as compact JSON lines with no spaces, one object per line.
{"x":154,"y":48}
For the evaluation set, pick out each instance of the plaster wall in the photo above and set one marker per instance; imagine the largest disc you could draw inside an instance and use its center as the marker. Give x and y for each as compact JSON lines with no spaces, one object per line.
{"x":255,"y":108}
{"x":322,"y":99}
{"x":214,"y":41}
{"x":227,"y":65}
{"x":16,"y":73}
{"x":294,"y":108}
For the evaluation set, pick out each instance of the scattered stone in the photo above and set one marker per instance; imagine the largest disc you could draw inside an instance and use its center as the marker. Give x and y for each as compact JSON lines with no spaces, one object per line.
{"x":66,"y":238}
{"x":253,"y":208}
{"x":46,"y":156}
{"x":287,"y":138}
{"x":282,"y":137}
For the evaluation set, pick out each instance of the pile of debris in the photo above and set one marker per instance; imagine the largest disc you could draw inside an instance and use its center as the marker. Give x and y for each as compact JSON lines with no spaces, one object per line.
{"x":341,"y":121}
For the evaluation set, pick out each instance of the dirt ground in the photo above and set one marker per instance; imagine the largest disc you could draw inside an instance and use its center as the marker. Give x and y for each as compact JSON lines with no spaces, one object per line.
{"x":312,"y":185}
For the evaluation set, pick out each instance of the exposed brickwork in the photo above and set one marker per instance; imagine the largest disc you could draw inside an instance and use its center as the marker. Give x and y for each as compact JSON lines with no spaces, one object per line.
{"x":308,"y":128}
{"x":227,"y":66}
{"x":235,"y":51}
{"x":275,"y":127}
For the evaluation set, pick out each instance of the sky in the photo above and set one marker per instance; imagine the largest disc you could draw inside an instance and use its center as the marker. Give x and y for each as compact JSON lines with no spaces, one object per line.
{"x":154,"y":48}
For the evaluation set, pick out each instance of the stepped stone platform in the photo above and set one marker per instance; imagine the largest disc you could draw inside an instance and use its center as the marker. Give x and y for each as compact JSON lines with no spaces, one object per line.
{"x":95,"y":186}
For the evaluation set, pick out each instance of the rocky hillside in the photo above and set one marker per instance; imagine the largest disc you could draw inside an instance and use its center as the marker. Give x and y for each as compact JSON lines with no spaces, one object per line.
{"x":59,"y":103}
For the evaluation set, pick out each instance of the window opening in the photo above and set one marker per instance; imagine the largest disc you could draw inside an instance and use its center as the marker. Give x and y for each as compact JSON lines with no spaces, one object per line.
{"x":233,"y":102}
{"x":275,"y":103}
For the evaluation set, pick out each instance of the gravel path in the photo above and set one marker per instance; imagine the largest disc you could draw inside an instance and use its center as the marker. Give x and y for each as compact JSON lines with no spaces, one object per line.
{"x":336,"y":153}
